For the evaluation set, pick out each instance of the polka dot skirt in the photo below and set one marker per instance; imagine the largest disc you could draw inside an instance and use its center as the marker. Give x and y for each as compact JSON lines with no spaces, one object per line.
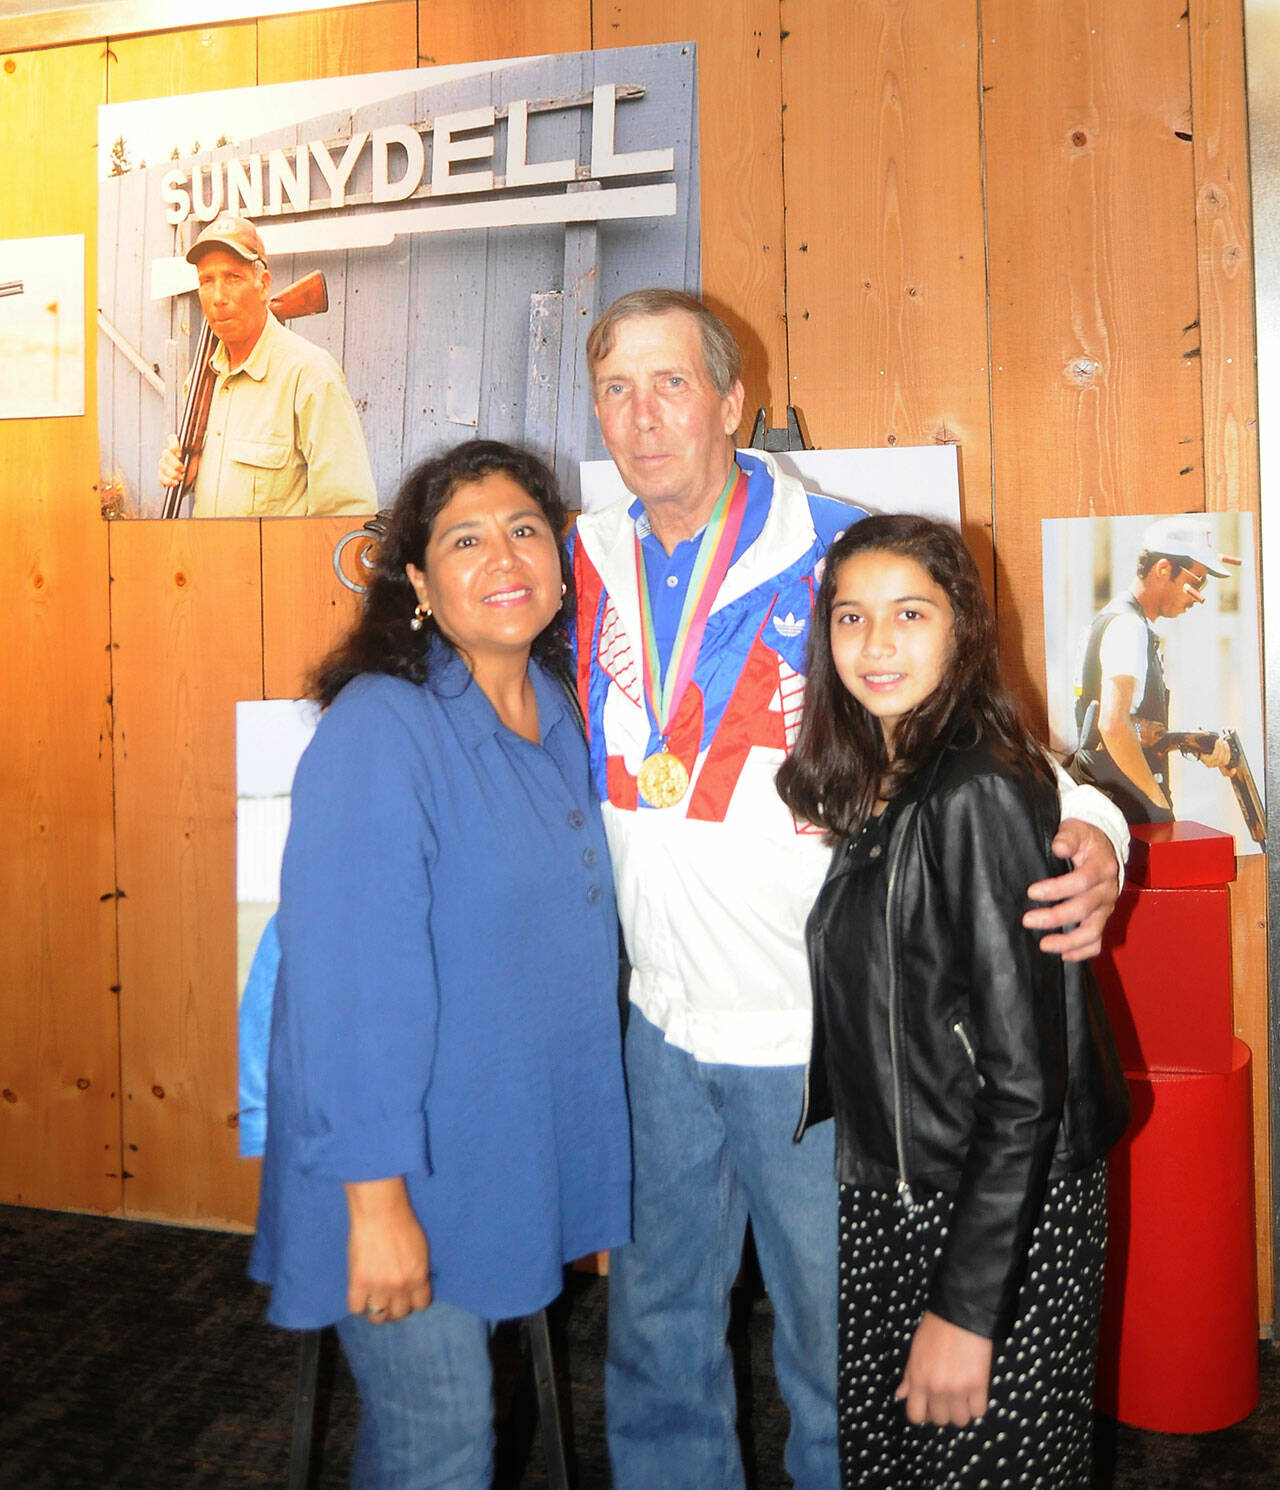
{"x":1037,"y":1432}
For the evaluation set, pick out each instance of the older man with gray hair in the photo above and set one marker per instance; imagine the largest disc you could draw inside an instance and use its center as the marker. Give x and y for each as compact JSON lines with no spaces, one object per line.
{"x":693,"y":603}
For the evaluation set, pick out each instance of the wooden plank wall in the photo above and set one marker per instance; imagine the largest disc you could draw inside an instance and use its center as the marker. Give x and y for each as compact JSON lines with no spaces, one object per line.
{"x":1007,"y":224}
{"x":59,"y":1056}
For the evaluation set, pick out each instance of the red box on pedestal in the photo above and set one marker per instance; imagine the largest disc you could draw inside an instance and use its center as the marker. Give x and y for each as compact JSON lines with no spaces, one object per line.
{"x":1167,"y":856}
{"x":1165,"y":967}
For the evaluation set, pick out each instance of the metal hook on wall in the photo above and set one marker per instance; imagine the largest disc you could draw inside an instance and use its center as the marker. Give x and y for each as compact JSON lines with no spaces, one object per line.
{"x":369,"y":536}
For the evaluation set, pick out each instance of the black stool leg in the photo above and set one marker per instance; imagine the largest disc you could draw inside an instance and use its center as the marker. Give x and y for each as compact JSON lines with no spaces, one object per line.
{"x":544,"y":1379}
{"x":304,"y":1411}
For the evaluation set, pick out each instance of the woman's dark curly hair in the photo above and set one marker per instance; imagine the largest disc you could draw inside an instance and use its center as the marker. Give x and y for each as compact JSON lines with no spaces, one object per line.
{"x":383,"y":641}
{"x":840,"y":766}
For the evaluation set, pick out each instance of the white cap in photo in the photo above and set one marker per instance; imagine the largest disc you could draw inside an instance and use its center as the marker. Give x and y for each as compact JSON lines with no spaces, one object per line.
{"x":1189,"y":538}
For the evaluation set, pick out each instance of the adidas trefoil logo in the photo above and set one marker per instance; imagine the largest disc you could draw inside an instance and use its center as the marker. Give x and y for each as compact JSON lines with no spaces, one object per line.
{"x":788,"y":625}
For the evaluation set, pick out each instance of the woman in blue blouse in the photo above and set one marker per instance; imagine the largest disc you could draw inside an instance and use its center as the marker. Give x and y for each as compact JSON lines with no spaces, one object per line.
{"x":446,"y":1116}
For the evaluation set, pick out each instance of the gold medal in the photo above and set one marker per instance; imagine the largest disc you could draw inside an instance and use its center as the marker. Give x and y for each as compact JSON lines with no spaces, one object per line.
{"x":663,"y":779}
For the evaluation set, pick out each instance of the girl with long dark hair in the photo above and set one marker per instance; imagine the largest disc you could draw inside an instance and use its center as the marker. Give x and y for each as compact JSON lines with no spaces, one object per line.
{"x":972,"y":1077}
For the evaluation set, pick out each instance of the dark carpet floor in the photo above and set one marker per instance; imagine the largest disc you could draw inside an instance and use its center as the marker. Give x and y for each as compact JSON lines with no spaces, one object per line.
{"x":134,"y":1357}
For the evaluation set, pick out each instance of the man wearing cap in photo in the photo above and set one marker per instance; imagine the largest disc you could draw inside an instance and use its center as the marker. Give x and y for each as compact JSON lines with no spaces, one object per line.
{"x":284,"y":438}
{"x":1122,"y":699}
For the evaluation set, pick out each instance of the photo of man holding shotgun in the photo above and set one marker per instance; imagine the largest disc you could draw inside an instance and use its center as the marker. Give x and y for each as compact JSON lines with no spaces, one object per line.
{"x":269,"y":428}
{"x":1151,"y":665}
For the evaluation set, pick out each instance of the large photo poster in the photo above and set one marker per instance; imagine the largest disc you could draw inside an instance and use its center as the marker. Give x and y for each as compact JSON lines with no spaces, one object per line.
{"x":1152,"y":665}
{"x":380,"y":267}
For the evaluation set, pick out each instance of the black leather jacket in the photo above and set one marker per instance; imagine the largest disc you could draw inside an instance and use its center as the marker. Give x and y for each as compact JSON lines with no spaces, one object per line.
{"x":953,"y":1053}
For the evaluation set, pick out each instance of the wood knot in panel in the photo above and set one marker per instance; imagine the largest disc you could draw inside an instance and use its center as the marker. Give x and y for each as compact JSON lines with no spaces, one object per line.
{"x":157,"y":1091}
{"x":1082,"y":371}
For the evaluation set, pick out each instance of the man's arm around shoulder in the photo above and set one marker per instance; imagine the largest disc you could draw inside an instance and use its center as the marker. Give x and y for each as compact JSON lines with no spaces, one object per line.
{"x":1094,"y":836}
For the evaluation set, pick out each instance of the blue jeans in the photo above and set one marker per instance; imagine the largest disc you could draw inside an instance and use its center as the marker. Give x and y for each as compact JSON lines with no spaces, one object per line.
{"x":426,"y":1400}
{"x":712,"y":1146}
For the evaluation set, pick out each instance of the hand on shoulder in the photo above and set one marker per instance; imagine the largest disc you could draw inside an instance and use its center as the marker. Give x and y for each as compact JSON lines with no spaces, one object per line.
{"x":1075,"y":905}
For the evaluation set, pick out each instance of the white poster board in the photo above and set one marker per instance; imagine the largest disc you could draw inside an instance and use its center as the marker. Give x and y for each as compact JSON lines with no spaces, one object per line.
{"x":41,"y":327}
{"x":271,"y":735}
{"x":910,"y":478}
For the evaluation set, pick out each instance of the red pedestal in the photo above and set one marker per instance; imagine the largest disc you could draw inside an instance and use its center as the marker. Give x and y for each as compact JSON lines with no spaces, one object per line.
{"x":1179,"y":1348}
{"x":1180,"y":1318}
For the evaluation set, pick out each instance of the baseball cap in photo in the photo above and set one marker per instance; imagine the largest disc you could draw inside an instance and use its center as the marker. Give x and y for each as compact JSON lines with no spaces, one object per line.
{"x":1189,"y":538}
{"x":236,"y":234}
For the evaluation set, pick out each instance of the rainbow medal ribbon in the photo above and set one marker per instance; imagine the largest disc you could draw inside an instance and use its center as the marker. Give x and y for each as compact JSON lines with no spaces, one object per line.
{"x":663,"y":778}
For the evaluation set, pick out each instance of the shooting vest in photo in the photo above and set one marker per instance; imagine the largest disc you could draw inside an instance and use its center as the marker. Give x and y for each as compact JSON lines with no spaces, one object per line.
{"x":1092,"y":762}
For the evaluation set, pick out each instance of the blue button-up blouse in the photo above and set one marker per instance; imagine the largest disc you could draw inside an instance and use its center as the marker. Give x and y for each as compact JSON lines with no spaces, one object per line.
{"x":446,"y":1004}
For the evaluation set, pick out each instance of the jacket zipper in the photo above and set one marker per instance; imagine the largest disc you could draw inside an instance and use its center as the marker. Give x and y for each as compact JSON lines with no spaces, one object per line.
{"x":895,"y":1041}
{"x":808,"y":1073}
{"x":963,"y":1036}
{"x":814,"y":979}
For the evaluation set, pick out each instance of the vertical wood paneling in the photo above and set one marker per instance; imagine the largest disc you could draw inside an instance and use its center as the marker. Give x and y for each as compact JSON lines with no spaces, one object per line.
{"x":338,"y":43}
{"x":886,"y":279}
{"x":305,"y":608}
{"x":188,"y":636}
{"x":739,"y":128}
{"x":170,"y":62}
{"x":481,"y":29}
{"x":1093,"y":296}
{"x":1229,"y":390}
{"x":59,"y":1053}
{"x":187,"y":647}
{"x":1227,"y":337}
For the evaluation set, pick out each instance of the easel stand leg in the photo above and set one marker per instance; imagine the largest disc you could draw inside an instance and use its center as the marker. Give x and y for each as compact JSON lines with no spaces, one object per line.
{"x":544,"y":1378}
{"x":304,"y":1411}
